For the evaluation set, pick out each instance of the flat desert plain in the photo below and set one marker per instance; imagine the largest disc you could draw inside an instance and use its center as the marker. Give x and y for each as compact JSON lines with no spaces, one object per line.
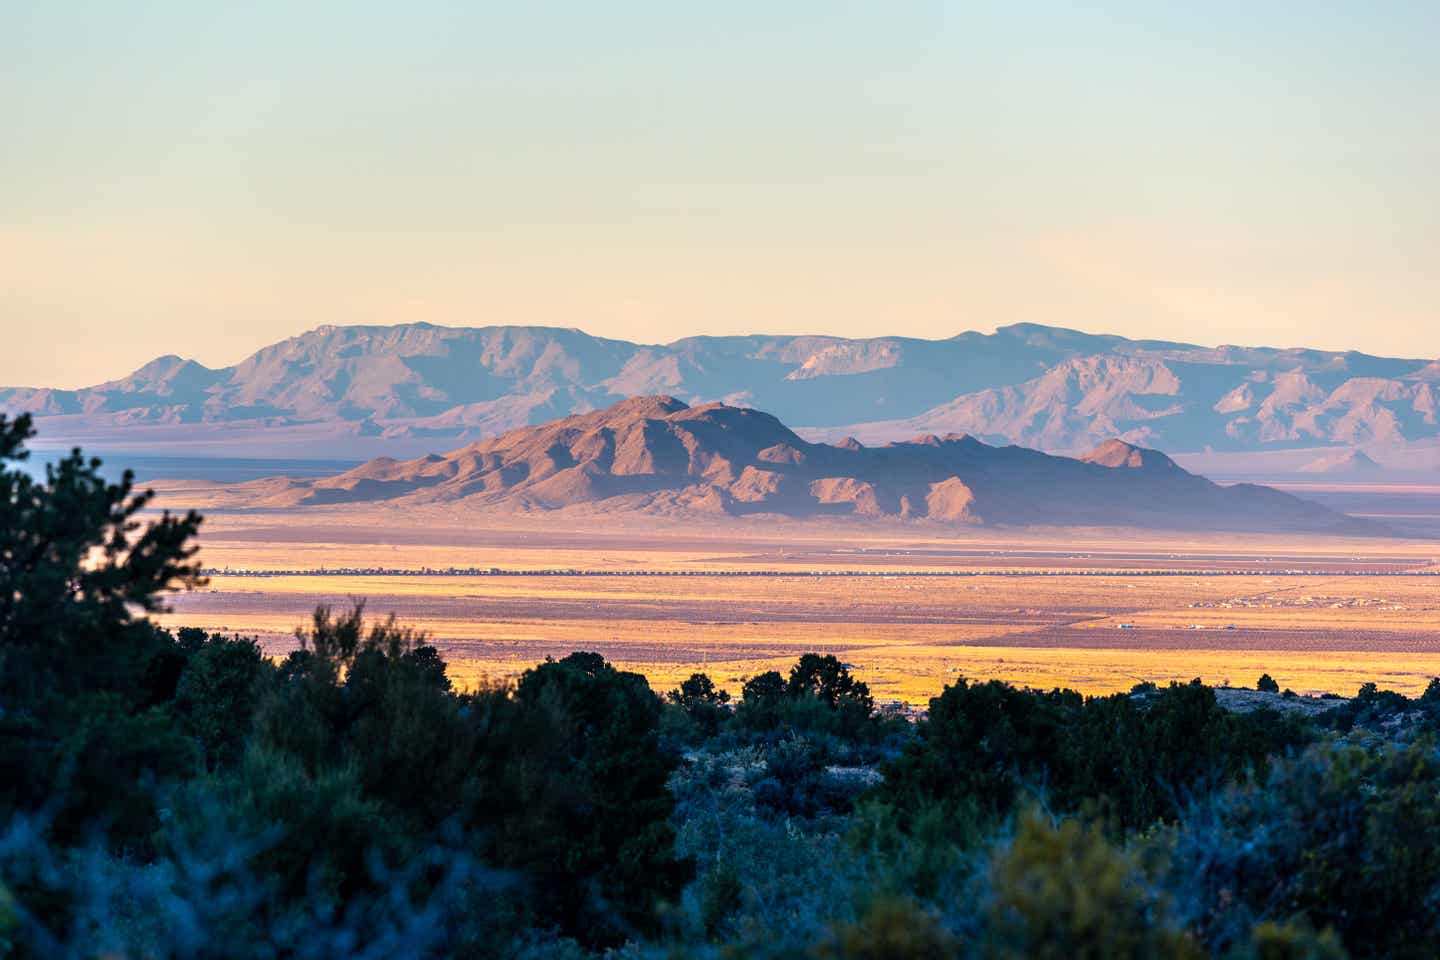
{"x":911,"y":608}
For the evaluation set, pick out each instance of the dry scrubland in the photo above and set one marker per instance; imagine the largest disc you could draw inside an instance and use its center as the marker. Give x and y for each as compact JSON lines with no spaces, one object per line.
{"x":907,"y":636}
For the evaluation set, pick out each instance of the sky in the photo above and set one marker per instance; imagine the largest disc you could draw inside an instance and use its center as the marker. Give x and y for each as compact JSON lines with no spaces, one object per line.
{"x":205,"y":179}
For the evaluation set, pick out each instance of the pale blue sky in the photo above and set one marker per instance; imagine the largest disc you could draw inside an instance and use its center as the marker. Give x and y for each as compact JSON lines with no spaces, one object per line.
{"x":203,"y":179}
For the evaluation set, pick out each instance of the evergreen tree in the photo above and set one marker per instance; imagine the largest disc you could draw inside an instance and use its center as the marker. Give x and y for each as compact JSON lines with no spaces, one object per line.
{"x":82,"y":670}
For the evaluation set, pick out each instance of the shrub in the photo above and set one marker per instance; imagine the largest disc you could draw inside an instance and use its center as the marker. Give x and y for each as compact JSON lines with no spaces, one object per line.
{"x":892,"y":928}
{"x":1062,"y":891}
{"x":577,"y":798}
{"x":1371,"y":708}
{"x":1137,"y":759}
{"x":703,"y":703}
{"x":821,"y":696}
{"x":829,"y":681}
{"x":983,"y":743}
{"x":1343,"y":836}
{"x":1289,"y":941}
{"x":218,"y":692}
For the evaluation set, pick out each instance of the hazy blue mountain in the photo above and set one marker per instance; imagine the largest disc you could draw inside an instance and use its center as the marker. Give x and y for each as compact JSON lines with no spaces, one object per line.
{"x":419,"y":386}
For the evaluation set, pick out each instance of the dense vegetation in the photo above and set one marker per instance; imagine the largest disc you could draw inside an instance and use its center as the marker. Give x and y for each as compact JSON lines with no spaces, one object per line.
{"x":182,"y":795}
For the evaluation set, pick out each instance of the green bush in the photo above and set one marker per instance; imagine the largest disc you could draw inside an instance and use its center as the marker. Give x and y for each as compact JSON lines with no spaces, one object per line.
{"x":1289,"y":941}
{"x":1346,"y":837}
{"x":1063,"y":892}
{"x":1137,"y":759}
{"x":703,"y":703}
{"x":891,"y":929}
{"x":820,"y":696}
{"x":218,"y":692}
{"x":576,"y":798}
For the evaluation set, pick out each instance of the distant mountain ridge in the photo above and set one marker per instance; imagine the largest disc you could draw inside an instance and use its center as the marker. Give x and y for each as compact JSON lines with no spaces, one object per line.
{"x":1051,"y":388}
{"x":1351,"y":463}
{"x":656,"y":455}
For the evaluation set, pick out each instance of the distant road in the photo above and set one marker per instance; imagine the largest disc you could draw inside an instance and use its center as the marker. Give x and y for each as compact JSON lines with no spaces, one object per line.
{"x":1386,"y":571}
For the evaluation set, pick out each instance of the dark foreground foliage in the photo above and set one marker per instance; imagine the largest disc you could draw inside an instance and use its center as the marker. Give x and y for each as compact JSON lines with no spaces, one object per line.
{"x":1135,"y":760}
{"x":183,"y":795}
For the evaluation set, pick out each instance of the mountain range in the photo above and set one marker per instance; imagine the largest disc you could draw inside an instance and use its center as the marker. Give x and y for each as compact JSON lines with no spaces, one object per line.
{"x":657,"y":455}
{"x":414,"y":387}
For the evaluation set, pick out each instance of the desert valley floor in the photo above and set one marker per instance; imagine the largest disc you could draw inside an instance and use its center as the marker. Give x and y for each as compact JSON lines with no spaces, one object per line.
{"x":911,"y":607}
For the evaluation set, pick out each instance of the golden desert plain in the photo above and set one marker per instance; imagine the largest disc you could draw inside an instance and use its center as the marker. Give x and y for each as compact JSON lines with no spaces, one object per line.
{"x":911,"y":607}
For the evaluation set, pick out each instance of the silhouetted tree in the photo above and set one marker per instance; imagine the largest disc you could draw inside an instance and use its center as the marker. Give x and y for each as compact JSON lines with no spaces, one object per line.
{"x":703,"y":702}
{"x":698,"y":689}
{"x":76,"y":566}
{"x":579,"y":799}
{"x":219,"y":689}
{"x":830,"y":681}
{"x":82,"y":671}
{"x":767,"y":686}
